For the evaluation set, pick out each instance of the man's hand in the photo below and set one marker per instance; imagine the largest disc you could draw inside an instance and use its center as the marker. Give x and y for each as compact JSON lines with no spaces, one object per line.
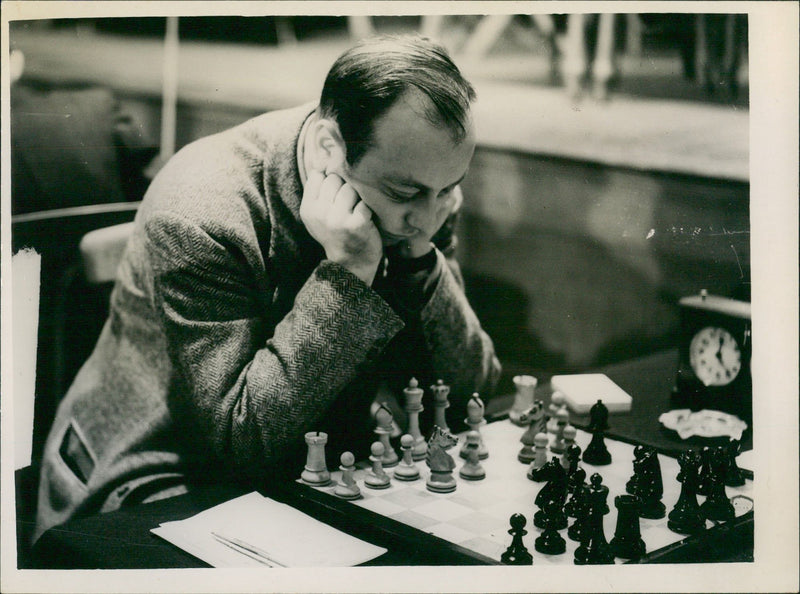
{"x":339,"y":220}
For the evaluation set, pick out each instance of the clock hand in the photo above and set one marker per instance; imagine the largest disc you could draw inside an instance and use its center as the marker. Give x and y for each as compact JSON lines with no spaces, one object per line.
{"x":719,"y":351}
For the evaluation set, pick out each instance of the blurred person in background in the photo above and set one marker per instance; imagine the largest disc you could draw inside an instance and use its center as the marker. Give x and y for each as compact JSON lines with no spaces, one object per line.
{"x":71,"y":145}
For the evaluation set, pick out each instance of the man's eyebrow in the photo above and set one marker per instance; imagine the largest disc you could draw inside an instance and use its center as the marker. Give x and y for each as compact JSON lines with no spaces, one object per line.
{"x":421,"y":187}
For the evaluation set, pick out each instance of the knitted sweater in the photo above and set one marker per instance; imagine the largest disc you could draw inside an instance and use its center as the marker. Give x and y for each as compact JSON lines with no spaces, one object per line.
{"x":230,"y":336}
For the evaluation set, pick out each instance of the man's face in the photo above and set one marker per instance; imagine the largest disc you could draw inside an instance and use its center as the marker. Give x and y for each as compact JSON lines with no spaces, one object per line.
{"x":408,"y":176}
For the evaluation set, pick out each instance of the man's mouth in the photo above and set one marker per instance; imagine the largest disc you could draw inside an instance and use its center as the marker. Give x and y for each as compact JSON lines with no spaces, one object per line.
{"x":393,"y":238}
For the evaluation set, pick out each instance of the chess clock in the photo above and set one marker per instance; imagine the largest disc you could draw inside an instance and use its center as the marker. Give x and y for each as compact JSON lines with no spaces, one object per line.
{"x":714,"y":362}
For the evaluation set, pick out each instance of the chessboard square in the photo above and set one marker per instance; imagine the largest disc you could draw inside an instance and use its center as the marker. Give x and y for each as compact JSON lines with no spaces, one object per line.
{"x":443,"y":510}
{"x":415,"y":520}
{"x":474,"y":498}
{"x":504,"y":509}
{"x":379,"y":505}
{"x":493,"y":550}
{"x":480,"y":523}
{"x":450,"y":533}
{"x":410,"y":497}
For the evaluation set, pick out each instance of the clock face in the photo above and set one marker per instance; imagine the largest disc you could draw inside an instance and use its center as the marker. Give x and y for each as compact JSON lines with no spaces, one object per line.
{"x":715,"y":356}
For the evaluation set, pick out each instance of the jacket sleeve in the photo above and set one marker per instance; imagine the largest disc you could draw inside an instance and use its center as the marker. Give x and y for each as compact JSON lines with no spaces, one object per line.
{"x":254,"y":390}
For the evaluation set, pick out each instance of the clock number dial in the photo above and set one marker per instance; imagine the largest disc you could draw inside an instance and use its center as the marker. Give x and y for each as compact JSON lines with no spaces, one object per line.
{"x":715,"y":356}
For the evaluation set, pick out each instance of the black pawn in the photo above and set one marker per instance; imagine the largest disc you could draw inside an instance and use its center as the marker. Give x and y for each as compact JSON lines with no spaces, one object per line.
{"x":686,"y":517}
{"x":578,"y":507}
{"x":596,"y":452}
{"x":717,"y":506}
{"x":650,"y":486}
{"x":627,"y":542}
{"x":705,"y":471}
{"x":734,"y":477}
{"x":638,"y":454}
{"x":550,"y":542}
{"x":594,"y":549}
{"x":516,"y":553}
{"x":575,"y":474}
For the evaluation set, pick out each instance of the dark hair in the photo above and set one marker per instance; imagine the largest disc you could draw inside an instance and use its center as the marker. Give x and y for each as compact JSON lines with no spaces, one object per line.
{"x":369,"y":78}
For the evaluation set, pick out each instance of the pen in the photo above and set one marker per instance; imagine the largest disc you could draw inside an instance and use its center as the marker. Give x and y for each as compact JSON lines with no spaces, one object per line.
{"x":247,"y":549}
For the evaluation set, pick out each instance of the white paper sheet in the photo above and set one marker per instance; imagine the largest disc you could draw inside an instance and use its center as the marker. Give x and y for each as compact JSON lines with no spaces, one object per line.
{"x":290,"y":537}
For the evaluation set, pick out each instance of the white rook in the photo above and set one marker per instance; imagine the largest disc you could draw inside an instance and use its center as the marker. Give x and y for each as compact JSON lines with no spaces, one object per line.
{"x":316,"y":472}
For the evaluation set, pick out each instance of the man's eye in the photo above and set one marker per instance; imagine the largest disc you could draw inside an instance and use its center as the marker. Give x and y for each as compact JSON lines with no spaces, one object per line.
{"x":399,"y":197}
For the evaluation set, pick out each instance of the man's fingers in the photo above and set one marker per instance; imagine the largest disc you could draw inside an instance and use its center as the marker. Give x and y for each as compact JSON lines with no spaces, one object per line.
{"x":330,"y":187}
{"x":346,"y":198}
{"x":362,"y":210}
{"x":313,"y":184}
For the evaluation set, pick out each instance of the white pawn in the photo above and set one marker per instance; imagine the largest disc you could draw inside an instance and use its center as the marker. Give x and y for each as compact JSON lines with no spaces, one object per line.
{"x":540,"y":452}
{"x":475,"y":421}
{"x":562,"y":420}
{"x":472,"y":470}
{"x":377,"y":478}
{"x":441,"y":391}
{"x":347,"y":488}
{"x":406,"y":470}
{"x":384,"y":419}
{"x":558,"y":402}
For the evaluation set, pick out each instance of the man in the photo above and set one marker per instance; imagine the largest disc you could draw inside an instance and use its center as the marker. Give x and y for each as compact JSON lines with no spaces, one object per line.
{"x":280,"y":276}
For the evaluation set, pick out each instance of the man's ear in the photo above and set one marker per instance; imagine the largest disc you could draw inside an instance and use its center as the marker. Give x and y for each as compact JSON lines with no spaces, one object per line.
{"x":328,"y":146}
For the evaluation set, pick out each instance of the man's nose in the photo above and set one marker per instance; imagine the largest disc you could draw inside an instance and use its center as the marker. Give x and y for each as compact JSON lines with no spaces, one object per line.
{"x":422,"y":213}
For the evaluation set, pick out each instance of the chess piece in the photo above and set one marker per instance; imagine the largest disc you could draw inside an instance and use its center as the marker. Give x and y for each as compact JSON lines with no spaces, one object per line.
{"x":596,"y":452}
{"x":516,"y":553}
{"x":734,"y":477}
{"x":578,"y":507}
{"x":558,"y":401}
{"x":554,"y":491}
{"x":384,"y":419}
{"x":540,"y":454}
{"x":475,"y":421}
{"x":537,"y":424}
{"x":686,"y":517}
{"x":523,"y":399}
{"x":562,"y":420}
{"x":638,"y":454}
{"x":347,"y":488}
{"x":575,"y":474}
{"x":705,"y":471}
{"x":413,"y":405}
{"x":472,"y":469}
{"x":594,"y":549}
{"x":377,"y":478}
{"x":440,"y":403}
{"x":550,"y":542}
{"x":717,"y":506}
{"x":649,"y":485}
{"x":440,"y":462}
{"x":569,"y":441}
{"x":406,"y":470}
{"x":315,"y":472}
{"x":627,"y":542}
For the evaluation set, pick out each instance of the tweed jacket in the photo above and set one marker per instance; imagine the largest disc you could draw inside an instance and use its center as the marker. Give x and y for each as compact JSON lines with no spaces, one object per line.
{"x":230,"y":336}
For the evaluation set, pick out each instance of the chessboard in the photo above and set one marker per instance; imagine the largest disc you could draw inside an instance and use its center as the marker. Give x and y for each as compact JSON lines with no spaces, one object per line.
{"x":475,"y":516}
